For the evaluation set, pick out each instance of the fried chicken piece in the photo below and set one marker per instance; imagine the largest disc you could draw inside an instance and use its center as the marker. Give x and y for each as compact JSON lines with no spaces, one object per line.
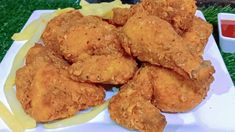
{"x":36,"y":57}
{"x":198,"y":35}
{"x":136,"y":113}
{"x":60,"y":97}
{"x":57,"y":27}
{"x":92,"y":36}
{"x":131,"y":107}
{"x":44,"y":84}
{"x":174,"y":93}
{"x":179,"y":13}
{"x":104,"y":69}
{"x":153,"y":40}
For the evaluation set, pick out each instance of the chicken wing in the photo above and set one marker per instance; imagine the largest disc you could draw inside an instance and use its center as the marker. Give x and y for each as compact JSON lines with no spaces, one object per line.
{"x":153,"y":40}
{"x":179,"y":13}
{"x":104,"y":69}
{"x":173,"y":93}
{"x":44,"y":84}
{"x":198,"y":35}
{"x":57,"y":27}
{"x":132,"y":108}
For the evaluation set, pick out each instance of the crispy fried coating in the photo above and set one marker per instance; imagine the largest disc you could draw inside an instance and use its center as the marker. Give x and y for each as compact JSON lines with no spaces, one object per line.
{"x":44,"y":84}
{"x":104,"y":69}
{"x":33,"y":52}
{"x":131,"y":107}
{"x":174,"y":93}
{"x":142,"y":83}
{"x":198,"y":35}
{"x":92,"y":36}
{"x":38,"y":55}
{"x":153,"y":40}
{"x":60,"y":97}
{"x":121,"y":15}
{"x":136,"y":113}
{"x":24,"y":78}
{"x":57,"y":27}
{"x":179,"y":13}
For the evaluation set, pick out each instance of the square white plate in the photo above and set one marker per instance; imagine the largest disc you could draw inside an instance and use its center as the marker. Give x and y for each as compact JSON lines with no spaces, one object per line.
{"x":215,"y":113}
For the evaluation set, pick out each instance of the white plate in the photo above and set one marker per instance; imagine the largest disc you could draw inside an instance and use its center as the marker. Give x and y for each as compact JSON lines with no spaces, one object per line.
{"x":215,"y":113}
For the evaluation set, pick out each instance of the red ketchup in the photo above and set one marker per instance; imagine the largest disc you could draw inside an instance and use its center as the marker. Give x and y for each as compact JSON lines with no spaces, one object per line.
{"x":228,"y":28}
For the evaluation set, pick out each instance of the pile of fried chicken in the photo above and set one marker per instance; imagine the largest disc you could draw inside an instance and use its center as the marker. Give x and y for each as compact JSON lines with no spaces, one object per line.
{"x":152,"y":50}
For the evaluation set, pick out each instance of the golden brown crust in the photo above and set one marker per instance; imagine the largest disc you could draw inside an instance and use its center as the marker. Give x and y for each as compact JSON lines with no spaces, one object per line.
{"x":198,"y":35}
{"x":84,"y":54}
{"x":60,"y":97}
{"x":104,"y":69}
{"x":132,"y":108}
{"x":174,"y":93}
{"x":44,"y":84}
{"x":179,"y":13}
{"x":120,"y":16}
{"x":92,"y":36}
{"x":135,"y":113}
{"x":142,"y":83}
{"x":33,"y":52}
{"x":24,"y":78}
{"x":153,"y":40}
{"x":39,"y":55}
{"x":57,"y":27}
